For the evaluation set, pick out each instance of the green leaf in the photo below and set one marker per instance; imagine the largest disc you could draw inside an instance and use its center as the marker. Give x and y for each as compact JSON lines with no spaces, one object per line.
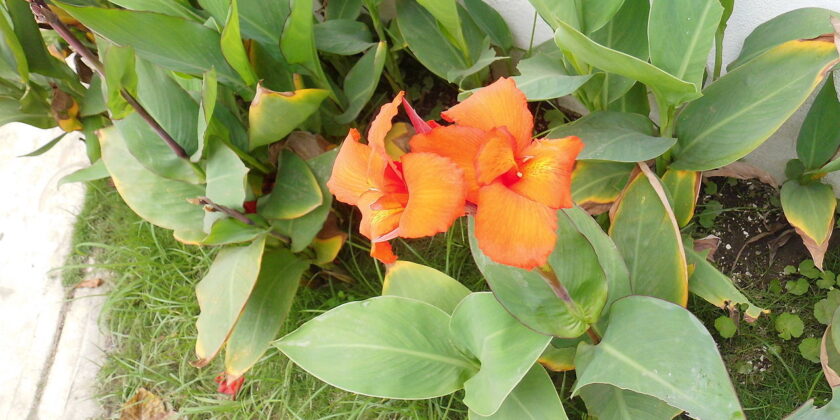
{"x":120,"y":73}
{"x":262,"y":20}
{"x":29,"y":36}
{"x":671,"y":89}
{"x":344,"y":9}
{"x":725,"y":326}
{"x":742,"y":109}
{"x":426,"y":41}
{"x":386,"y":346}
{"x":810,"y":209}
{"x":169,"y":104}
{"x":506,"y":349}
{"x":528,"y":297}
{"x":615,"y":136}
{"x":645,"y":231}
{"x":825,"y":308}
{"x":596,"y":182}
{"x":304,"y":229}
{"x":198,"y":50}
{"x":535,"y":397}
{"x":46,"y":147}
{"x":415,"y":281}
{"x":558,"y":359}
{"x":542,"y":76}
{"x":610,"y":402}
{"x":684,"y":186}
{"x":273,"y":115}
{"x":809,"y":348}
{"x":797,"y":287}
{"x":95,"y":171}
{"x":11,"y":51}
{"x":625,"y":32}
{"x":148,"y":149}
{"x":808,"y":269}
{"x":789,"y":269}
{"x":231,"y":231}
{"x":142,"y":189}
{"x":491,"y":22}
{"x":587,"y":16}
{"x":827,"y":412}
{"x":681,"y":34}
{"x":361,"y":81}
{"x":826,"y":281}
{"x":819,"y":136}
{"x":835,"y":333}
{"x":789,"y":325}
{"x":168,"y":7}
{"x":486,"y":57}
{"x":714,"y":287}
{"x":635,"y":101}
{"x":265,"y":312}
{"x":553,"y":12}
{"x":222,"y":295}
{"x":232,"y":48}
{"x":296,"y":191}
{"x":10,"y":112}
{"x":446,"y":12}
{"x":343,"y":37}
{"x":227,"y":176}
{"x":804,"y":23}
{"x":656,"y":348}
{"x":298,"y":42}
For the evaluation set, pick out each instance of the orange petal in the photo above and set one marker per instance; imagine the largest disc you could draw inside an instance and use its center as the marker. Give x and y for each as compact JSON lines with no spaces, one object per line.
{"x":513,"y":230}
{"x":499,"y":105}
{"x":547,"y":171}
{"x":420,"y":126}
{"x":381,"y":125}
{"x":459,"y":144}
{"x":436,"y":194}
{"x":376,"y":223}
{"x":382,"y":251}
{"x":349,"y":176}
{"x":495,"y":158}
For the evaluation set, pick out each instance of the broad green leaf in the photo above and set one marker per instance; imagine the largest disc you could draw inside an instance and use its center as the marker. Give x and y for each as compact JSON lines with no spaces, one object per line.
{"x":206,"y":108}
{"x":120,"y":73}
{"x":198,"y":50}
{"x":298,"y":42}
{"x":233,"y":49}
{"x":168,"y":7}
{"x":684,"y":187}
{"x":263,"y":20}
{"x":10,"y":112}
{"x":529,"y":298}
{"x":227,"y":176}
{"x":659,"y":349}
{"x":634,"y":101}
{"x":618,"y":277}
{"x":535,"y":397}
{"x":296,"y":191}
{"x":608,"y":402}
{"x":810,"y":412}
{"x":505,"y":348}
{"x":819,"y":136}
{"x":231,"y":231}
{"x":645,"y":231}
{"x":725,"y":326}
{"x":11,"y":51}
{"x":446,"y":12}
{"x":223,"y":293}
{"x":343,"y":37}
{"x":304,"y":229}
{"x":541,"y":76}
{"x":273,"y":115}
{"x":586,"y":16}
{"x":596,"y":13}
{"x":625,"y":32}
{"x":671,"y":89}
{"x":426,"y":41}
{"x":149,"y":149}
{"x":46,"y":147}
{"x":419,"y":282}
{"x":825,"y":308}
{"x":714,"y":287}
{"x":29,"y":36}
{"x":558,"y":359}
{"x":169,"y":104}
{"x":93,"y":102}
{"x":681,"y":34}
{"x":804,"y":23}
{"x":486,"y":56}
{"x":596,"y":182}
{"x":615,"y":136}
{"x":361,"y":81}
{"x":553,"y":12}
{"x":343,"y":9}
{"x":265,"y":312}
{"x":160,"y":201}
{"x":489,"y":20}
{"x":810,"y":209}
{"x":743,"y":108}
{"x":387,"y":346}
{"x":95,"y":171}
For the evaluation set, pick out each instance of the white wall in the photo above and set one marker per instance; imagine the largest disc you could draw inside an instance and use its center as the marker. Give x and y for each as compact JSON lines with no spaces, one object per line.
{"x":747,"y":15}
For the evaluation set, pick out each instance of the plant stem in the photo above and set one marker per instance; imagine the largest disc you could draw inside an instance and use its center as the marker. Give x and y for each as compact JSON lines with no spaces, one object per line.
{"x":563,"y":294}
{"x":718,"y":53}
{"x":236,"y":214}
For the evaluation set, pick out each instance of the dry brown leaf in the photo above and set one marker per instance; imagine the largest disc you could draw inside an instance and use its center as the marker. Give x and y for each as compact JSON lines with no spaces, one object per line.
{"x":830,"y":374}
{"x":743,"y":170}
{"x":710,"y":243}
{"x":307,"y":145}
{"x":145,"y":405}
{"x":90,"y":283}
{"x":817,"y":250}
{"x":594,"y":208}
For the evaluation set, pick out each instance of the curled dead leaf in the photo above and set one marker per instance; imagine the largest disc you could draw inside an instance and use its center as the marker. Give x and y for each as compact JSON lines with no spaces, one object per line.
{"x":90,"y":283}
{"x":709,"y":243}
{"x":830,"y":374}
{"x":741,"y":170}
{"x":817,"y":250}
{"x":144,"y":405}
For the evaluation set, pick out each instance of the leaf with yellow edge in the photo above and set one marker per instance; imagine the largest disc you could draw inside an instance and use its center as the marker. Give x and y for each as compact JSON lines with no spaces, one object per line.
{"x":416,"y":281}
{"x":599,"y":182}
{"x":810,"y":209}
{"x":232,"y":47}
{"x":326,"y":249}
{"x":684,"y":187}
{"x":296,"y":190}
{"x":273,"y":115}
{"x":558,"y":359}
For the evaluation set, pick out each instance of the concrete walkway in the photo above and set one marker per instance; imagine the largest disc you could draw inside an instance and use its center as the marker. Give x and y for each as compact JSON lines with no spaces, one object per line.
{"x":50,"y":343}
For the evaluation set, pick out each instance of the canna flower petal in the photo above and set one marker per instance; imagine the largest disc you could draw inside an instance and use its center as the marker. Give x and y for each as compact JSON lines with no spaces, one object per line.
{"x":496,"y":156}
{"x":381,"y":125}
{"x":436,"y":194}
{"x":512,"y":229}
{"x":382,"y":251}
{"x":500,"y":104}
{"x":349,"y":179}
{"x":547,"y":171}
{"x":459,"y":144}
{"x":376,"y":223}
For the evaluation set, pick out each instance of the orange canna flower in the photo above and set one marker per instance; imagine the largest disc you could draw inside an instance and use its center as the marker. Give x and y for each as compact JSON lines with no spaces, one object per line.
{"x":516,"y":183}
{"x":419,"y":195}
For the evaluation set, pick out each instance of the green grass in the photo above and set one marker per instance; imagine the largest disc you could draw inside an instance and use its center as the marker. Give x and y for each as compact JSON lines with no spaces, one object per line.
{"x":151,"y":310}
